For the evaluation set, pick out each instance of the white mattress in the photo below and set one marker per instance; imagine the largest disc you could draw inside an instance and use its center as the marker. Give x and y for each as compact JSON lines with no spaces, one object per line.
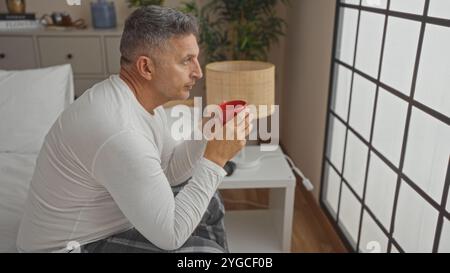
{"x":16,"y":171}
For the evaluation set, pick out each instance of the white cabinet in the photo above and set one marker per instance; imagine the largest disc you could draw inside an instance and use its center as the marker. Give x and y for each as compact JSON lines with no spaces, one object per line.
{"x":17,"y":53}
{"x":112,"y":45}
{"x":83,"y":53}
{"x":83,"y":84}
{"x":93,"y":54}
{"x":267,"y":230}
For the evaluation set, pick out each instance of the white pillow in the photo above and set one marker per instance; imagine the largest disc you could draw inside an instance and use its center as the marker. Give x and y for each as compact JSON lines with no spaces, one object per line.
{"x":30,"y":102}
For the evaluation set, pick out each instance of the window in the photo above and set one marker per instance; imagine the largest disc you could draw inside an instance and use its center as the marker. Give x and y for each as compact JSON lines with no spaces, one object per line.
{"x":386,"y":169}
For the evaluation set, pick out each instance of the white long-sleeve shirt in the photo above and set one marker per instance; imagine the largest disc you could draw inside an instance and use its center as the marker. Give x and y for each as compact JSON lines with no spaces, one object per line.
{"x":107,"y":166}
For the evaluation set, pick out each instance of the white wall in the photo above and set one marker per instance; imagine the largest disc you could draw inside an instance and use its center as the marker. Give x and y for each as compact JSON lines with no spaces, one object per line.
{"x":304,"y":104}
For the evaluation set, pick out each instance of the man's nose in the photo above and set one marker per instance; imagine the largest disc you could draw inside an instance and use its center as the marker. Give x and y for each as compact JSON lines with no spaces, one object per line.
{"x":197,"y":73}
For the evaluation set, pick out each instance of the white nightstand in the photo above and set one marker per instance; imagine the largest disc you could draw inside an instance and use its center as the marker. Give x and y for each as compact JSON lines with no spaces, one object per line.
{"x":267,"y":230}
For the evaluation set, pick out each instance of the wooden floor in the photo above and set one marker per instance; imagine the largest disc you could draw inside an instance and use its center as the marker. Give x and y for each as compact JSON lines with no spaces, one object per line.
{"x":312,"y":231}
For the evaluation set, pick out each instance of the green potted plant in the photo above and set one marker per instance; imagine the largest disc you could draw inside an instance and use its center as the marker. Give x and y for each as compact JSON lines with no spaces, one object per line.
{"x":140,"y":3}
{"x":237,"y":29}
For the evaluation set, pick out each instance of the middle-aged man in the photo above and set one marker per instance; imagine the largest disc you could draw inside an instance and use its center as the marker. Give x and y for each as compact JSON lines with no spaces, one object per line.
{"x":104,"y":174}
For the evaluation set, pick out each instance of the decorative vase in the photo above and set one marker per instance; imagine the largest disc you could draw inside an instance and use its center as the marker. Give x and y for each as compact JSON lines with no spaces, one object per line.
{"x":16,"y":6}
{"x":103,"y":14}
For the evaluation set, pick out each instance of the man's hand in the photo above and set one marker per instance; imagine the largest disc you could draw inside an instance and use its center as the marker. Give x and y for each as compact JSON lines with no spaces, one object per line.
{"x":229,"y":139}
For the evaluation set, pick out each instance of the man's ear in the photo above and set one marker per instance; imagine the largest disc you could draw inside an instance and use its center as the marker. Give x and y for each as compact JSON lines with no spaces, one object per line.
{"x":145,"y":67}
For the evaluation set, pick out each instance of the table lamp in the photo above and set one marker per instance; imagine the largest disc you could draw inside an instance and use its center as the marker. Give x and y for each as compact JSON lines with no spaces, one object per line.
{"x":251,"y":81}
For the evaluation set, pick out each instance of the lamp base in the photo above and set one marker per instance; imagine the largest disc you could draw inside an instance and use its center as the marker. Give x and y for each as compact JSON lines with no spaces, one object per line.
{"x":246,"y":164}
{"x":242,"y":162}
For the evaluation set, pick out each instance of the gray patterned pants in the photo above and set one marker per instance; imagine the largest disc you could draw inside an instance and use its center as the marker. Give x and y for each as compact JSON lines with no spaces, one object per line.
{"x":208,"y":237}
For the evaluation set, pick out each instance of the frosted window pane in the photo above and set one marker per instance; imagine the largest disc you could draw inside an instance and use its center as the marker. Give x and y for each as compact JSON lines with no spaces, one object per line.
{"x":363,"y":98}
{"x":333,"y":185}
{"x":408,"y":6}
{"x":349,"y":213}
{"x":355,"y":163}
{"x":433,"y":81}
{"x":353,"y":2}
{"x":427,"y":153}
{"x":390,"y":125}
{"x":346,"y":49}
{"x":415,"y":222}
{"x":336,"y":147}
{"x":439,"y":8}
{"x":400,"y":54}
{"x":373,"y":240}
{"x":369,"y":43}
{"x":342,"y":91}
{"x":380,"y":192}
{"x":444,"y":244}
{"x":448,"y":202}
{"x":394,"y":249}
{"x":380,"y":4}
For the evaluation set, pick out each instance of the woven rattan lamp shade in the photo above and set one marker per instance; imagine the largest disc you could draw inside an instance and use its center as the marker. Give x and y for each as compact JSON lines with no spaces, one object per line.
{"x":251,"y":81}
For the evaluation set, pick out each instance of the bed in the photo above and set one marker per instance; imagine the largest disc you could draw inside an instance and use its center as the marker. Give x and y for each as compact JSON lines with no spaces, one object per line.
{"x":30,"y":102}
{"x":15,"y":174}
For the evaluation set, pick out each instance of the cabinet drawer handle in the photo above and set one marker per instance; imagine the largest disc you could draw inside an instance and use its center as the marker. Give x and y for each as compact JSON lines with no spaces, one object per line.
{"x":2,"y":55}
{"x":69,"y":56}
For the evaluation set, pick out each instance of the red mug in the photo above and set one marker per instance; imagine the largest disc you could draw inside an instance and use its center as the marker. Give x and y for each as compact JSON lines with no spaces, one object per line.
{"x":236,"y":105}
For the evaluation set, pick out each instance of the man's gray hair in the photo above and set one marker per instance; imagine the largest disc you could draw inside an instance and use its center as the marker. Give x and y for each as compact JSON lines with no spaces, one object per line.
{"x":149,"y":28}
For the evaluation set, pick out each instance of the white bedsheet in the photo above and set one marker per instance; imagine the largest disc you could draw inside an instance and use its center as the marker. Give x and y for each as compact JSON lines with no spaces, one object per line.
{"x":16,"y":171}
